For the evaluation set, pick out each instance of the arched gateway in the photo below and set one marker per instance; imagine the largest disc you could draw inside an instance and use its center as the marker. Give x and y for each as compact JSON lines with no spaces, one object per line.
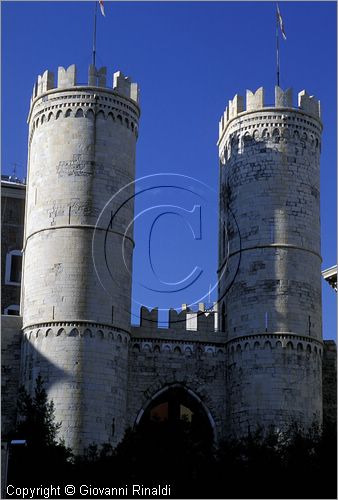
{"x":174,"y":403}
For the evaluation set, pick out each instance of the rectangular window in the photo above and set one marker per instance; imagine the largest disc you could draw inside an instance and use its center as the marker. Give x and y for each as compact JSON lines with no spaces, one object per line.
{"x":16,"y":267}
{"x":13,"y":268}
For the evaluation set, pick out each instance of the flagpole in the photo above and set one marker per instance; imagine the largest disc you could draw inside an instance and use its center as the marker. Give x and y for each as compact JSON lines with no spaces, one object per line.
{"x":277,"y":46}
{"x":94,"y":35}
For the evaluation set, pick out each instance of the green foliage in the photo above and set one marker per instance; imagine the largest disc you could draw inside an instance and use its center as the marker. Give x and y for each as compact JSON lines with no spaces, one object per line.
{"x":44,"y":458}
{"x":288,"y":464}
{"x":175,"y":453}
{"x":36,"y":417}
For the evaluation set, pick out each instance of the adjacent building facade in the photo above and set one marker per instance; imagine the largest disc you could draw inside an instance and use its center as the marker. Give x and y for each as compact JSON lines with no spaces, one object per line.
{"x":13,"y":192}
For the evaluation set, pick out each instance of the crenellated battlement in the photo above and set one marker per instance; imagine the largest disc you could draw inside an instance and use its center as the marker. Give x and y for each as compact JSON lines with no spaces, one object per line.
{"x":198,"y":325}
{"x":255,"y":102}
{"x":67,"y":77}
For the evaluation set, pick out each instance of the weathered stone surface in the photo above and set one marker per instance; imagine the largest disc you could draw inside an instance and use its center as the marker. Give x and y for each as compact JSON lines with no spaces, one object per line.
{"x":157,"y":363}
{"x":270,"y":276}
{"x":76,"y":303}
{"x":262,"y":365}
{"x":84,"y":367}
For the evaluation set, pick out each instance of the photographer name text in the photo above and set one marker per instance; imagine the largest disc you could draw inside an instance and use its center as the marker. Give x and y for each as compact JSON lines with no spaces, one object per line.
{"x":70,"y":490}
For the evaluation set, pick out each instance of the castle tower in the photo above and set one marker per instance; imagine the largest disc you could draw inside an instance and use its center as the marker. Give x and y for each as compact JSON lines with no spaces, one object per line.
{"x":269,"y":260}
{"x":77,"y":281}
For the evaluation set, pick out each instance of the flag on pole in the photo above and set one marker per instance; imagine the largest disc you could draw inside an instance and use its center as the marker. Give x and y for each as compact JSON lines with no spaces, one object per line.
{"x":102,"y":8}
{"x":280,"y":22}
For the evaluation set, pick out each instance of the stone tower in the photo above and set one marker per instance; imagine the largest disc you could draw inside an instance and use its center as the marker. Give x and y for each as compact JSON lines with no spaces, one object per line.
{"x":77,"y":281}
{"x":269,"y":260}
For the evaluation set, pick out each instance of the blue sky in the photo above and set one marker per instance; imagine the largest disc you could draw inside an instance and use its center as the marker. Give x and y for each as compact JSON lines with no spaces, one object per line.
{"x":189,"y":59}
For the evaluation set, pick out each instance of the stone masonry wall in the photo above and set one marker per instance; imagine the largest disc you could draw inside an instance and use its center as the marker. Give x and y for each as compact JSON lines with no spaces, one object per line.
{"x":158,"y":363}
{"x":263,"y":366}
{"x":76,"y":303}
{"x":273,"y":381}
{"x":85,"y":370}
{"x":194,"y":359}
{"x":81,"y":153}
{"x":270,"y":263}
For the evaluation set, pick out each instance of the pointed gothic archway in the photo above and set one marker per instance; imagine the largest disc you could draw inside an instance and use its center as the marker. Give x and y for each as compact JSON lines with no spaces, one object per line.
{"x":176,"y":403}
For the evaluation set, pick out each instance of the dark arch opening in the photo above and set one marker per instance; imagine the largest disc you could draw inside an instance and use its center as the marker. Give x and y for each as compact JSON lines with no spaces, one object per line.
{"x":173,"y":442}
{"x":176,"y":409}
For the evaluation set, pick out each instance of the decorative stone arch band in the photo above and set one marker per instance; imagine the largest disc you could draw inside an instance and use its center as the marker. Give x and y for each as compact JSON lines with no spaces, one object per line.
{"x":190,"y":392}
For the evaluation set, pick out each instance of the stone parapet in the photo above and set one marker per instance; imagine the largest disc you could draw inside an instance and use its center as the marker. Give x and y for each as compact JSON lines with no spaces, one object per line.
{"x":164,"y":334}
{"x":196,"y":326}
{"x":67,"y":77}
{"x":307,"y":104}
